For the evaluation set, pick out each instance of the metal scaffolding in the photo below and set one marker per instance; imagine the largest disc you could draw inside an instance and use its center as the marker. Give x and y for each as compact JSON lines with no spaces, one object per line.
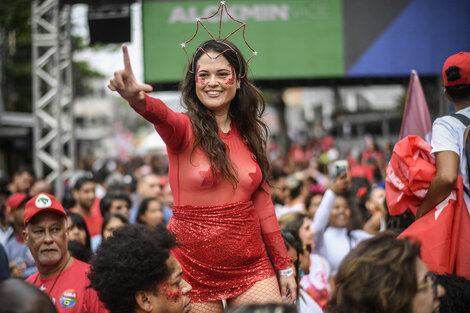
{"x":54,"y":140}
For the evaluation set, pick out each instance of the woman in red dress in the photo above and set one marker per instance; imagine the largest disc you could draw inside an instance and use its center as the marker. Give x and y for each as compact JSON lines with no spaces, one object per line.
{"x":223,"y":216}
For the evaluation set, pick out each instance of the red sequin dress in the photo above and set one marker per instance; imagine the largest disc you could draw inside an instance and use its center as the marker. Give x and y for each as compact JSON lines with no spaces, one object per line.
{"x":225,"y":234}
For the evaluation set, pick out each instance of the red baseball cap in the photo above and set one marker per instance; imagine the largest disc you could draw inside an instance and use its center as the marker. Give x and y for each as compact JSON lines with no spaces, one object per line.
{"x":14,"y":201}
{"x":462,"y":61}
{"x":40,"y":203}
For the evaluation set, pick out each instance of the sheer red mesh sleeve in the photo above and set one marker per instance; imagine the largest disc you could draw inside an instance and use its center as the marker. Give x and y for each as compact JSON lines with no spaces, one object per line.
{"x":171,"y":126}
{"x":270,"y":229}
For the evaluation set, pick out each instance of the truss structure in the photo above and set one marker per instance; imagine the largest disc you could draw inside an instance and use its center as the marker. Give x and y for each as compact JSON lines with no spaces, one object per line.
{"x":54,"y":140}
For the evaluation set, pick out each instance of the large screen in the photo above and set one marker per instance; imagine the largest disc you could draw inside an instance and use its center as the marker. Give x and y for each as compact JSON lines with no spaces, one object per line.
{"x":303,"y":39}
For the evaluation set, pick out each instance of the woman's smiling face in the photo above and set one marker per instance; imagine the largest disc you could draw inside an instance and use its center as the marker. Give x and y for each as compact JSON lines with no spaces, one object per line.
{"x":340,"y":213}
{"x":216,"y":82}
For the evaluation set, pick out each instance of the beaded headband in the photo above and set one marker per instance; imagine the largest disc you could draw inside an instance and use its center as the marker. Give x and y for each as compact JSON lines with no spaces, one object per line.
{"x":221,"y":8}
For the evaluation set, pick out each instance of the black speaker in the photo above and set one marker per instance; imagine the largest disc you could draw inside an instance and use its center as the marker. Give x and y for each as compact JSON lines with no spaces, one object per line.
{"x":109,"y":23}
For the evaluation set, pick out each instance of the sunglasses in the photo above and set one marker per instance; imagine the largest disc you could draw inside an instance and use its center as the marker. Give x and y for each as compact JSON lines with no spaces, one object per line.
{"x":431,"y":281}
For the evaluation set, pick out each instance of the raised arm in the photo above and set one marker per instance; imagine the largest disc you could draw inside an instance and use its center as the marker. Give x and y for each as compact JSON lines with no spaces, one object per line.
{"x":445,"y":144}
{"x":322,"y":217}
{"x":127,"y":86}
{"x":447,"y":167}
{"x":171,"y":126}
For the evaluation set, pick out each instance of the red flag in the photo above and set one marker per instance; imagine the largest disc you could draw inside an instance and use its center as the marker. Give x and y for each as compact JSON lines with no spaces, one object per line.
{"x":444,"y":232}
{"x":416,"y":118}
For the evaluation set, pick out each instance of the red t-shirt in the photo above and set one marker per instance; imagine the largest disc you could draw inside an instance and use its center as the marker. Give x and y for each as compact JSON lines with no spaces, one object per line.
{"x":70,"y":293}
{"x":94,"y":221}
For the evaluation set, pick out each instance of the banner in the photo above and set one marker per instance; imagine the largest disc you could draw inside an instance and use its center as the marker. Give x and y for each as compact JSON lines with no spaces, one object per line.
{"x":294,"y":39}
{"x":312,"y":39}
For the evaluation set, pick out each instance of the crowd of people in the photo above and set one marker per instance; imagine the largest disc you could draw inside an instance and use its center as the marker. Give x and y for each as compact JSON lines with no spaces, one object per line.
{"x":216,"y":225}
{"x":322,"y":219}
{"x":321,"y":224}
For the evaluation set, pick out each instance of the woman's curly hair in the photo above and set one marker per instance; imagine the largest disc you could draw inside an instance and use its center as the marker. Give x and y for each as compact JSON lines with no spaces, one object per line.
{"x":378,"y":276}
{"x":245,"y":111}
{"x":133,"y":259}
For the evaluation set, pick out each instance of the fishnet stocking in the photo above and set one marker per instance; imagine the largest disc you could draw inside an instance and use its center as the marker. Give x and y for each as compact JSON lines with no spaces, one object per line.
{"x":207,"y":307}
{"x":264,"y":291}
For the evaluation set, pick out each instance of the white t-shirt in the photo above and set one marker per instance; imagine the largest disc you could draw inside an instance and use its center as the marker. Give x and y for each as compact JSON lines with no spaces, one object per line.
{"x":337,"y":243}
{"x":318,"y":276}
{"x":307,"y":304}
{"x":288,"y":209}
{"x":447,"y":135}
{"x":331,"y":242}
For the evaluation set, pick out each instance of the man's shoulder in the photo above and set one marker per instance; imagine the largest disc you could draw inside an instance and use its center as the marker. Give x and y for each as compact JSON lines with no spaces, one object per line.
{"x":448,"y":119}
{"x":447,"y":126}
{"x":78,"y":271}
{"x":452,"y":120}
{"x":90,"y":295}
{"x":80,"y":266}
{"x":75,"y":276}
{"x":32,"y":278}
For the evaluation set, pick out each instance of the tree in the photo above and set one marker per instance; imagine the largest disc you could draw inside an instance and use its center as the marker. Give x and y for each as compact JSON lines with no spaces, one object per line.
{"x":15,"y":55}
{"x":16,"y":58}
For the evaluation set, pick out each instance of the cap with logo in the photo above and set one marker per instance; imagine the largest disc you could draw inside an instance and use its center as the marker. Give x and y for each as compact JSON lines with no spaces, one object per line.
{"x":459,"y":64}
{"x":14,"y":201}
{"x":41,"y":203}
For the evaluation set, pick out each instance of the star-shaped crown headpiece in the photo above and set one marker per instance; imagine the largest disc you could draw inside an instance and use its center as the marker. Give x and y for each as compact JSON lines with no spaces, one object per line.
{"x":199,"y":20}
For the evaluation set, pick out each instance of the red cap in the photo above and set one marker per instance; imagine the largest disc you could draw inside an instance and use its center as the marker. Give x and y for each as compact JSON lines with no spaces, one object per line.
{"x":14,"y":201}
{"x":462,"y":61}
{"x":40,"y":203}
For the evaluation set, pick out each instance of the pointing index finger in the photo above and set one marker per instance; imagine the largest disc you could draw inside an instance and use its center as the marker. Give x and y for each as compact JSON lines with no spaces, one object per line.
{"x":127,"y":61}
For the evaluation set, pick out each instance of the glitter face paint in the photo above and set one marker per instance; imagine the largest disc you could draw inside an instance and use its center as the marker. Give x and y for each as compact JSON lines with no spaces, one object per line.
{"x":215,"y":94}
{"x":231,"y":80}
{"x":199,"y":80}
{"x":171,"y":294}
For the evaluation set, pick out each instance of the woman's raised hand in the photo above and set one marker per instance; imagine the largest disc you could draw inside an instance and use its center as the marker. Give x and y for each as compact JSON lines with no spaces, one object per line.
{"x":126,"y":85}
{"x":341,"y":184}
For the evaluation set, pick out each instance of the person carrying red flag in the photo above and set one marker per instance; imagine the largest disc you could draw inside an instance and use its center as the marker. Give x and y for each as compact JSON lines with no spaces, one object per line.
{"x":448,"y":133}
{"x":444,"y":233}
{"x":437,"y":190}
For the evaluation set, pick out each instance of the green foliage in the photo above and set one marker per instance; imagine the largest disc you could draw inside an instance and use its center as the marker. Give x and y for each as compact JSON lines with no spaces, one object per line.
{"x":15,"y":54}
{"x":400,"y":102}
{"x":14,"y":14}
{"x":16,"y":58}
{"x":81,"y":74}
